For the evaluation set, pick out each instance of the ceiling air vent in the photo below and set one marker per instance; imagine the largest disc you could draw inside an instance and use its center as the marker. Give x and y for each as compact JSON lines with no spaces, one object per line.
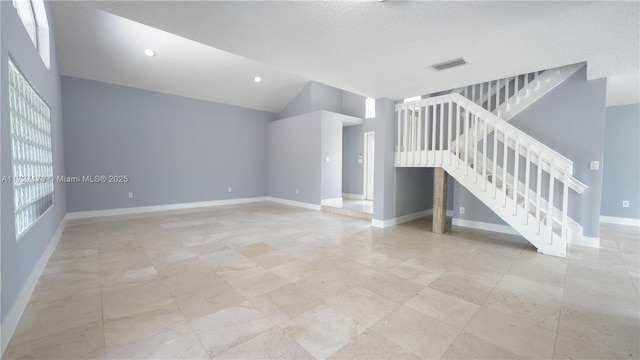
{"x":449,"y":64}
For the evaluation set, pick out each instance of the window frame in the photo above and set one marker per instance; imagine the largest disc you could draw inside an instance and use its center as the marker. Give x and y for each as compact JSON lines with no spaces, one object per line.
{"x":28,"y":18}
{"x":33,"y":15}
{"x":369,"y":108}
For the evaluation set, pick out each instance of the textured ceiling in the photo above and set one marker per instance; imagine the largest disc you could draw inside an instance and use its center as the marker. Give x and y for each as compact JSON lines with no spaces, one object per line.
{"x":378,"y":49}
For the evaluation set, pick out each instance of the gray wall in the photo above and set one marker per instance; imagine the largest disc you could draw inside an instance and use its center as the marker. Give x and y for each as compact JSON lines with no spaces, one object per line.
{"x":298,"y":147}
{"x":474,"y":209}
{"x":384,"y":168}
{"x":570,"y":120}
{"x":621,"y":166}
{"x":300,"y":104}
{"x":413,"y":187}
{"x":325,"y":97}
{"x":384,"y":187}
{"x":397,"y":191}
{"x":353,"y":104}
{"x":414,"y":190}
{"x":383,"y":180}
{"x":352,"y":170}
{"x":294,"y":158}
{"x":20,"y":257}
{"x":316,"y":96}
{"x":174,"y":149}
{"x":353,"y":144}
{"x":331,"y":147}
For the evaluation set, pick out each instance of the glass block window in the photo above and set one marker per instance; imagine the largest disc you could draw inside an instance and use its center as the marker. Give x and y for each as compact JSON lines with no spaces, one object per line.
{"x":32,"y":158}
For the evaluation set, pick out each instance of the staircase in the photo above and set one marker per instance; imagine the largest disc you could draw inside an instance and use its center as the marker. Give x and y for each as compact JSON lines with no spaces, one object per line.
{"x":505,"y":98}
{"x":523,"y":181}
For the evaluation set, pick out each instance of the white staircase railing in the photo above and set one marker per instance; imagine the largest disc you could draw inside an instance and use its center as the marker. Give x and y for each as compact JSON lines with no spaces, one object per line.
{"x":524,"y":181}
{"x":575,"y":229}
{"x":507,"y":97}
{"x":496,"y":96}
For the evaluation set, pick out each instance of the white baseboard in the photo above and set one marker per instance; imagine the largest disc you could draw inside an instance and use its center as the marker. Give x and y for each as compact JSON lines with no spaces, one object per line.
{"x":294,"y":203}
{"x":619,"y":220}
{"x":156,"y":208}
{"x":331,"y":201}
{"x":406,"y":218}
{"x":12,"y":319}
{"x":505,"y":229}
{"x":401,"y":219}
{"x":353,"y":196}
{"x":182,"y":206}
{"x":587,"y":241}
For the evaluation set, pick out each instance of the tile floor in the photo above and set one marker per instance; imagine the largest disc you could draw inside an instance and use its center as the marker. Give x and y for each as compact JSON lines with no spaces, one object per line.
{"x":365,"y":206}
{"x":357,"y":208}
{"x":264,"y":281}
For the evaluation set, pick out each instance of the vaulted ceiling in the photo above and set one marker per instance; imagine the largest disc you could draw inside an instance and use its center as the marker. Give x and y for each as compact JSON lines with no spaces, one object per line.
{"x":213,"y":49}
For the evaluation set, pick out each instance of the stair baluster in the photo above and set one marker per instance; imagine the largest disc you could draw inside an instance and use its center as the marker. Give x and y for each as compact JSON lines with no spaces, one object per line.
{"x":421,"y":141}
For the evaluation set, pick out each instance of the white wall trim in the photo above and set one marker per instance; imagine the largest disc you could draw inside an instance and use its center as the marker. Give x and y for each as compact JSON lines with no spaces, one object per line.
{"x":333,"y":201}
{"x":156,"y":208}
{"x":294,"y":203}
{"x":14,"y":315}
{"x":505,"y":229}
{"x":353,"y":196}
{"x":619,"y":220}
{"x":182,"y":206}
{"x":401,"y":219}
{"x":379,"y":223}
{"x":593,"y":242}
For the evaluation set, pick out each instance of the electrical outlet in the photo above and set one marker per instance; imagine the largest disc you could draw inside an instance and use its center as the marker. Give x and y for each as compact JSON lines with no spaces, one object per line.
{"x":297,"y":191}
{"x":461,"y":210}
{"x":229,"y":189}
{"x":594,"y":165}
{"x":130,"y":195}
{"x":625,"y":203}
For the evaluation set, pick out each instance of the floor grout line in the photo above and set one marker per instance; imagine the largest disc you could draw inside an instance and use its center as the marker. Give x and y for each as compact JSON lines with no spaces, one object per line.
{"x":380,"y":250}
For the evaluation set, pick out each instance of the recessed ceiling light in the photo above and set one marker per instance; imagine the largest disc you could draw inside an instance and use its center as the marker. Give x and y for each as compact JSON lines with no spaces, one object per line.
{"x":257,"y":79}
{"x":149,"y":52}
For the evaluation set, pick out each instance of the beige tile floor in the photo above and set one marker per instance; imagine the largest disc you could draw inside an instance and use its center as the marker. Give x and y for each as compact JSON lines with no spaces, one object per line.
{"x":365,"y":206}
{"x":358,"y":208}
{"x":265,"y":281}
